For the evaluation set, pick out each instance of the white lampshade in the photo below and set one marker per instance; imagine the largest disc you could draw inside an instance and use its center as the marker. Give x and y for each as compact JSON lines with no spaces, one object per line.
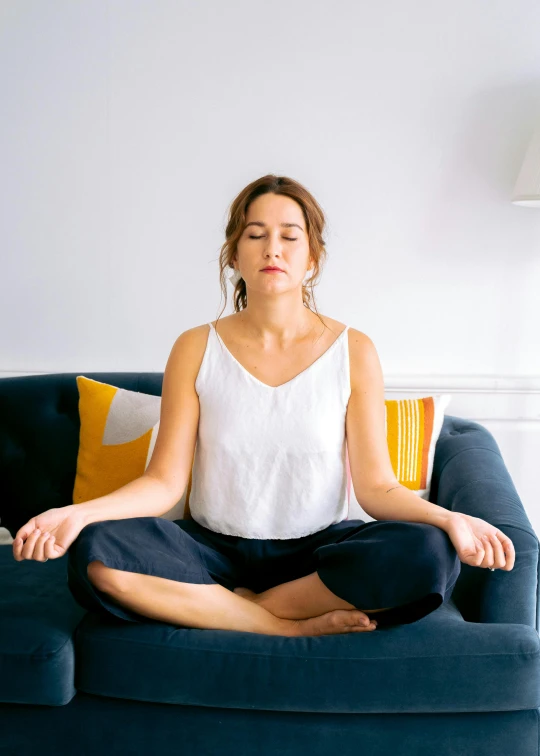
{"x":527,"y":188}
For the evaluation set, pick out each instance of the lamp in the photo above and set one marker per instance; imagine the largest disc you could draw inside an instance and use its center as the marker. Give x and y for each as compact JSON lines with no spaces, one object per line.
{"x":527,"y":188}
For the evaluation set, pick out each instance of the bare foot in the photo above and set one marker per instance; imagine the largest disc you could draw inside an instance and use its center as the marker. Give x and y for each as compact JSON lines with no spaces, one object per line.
{"x":336,"y":621}
{"x":245,"y":593}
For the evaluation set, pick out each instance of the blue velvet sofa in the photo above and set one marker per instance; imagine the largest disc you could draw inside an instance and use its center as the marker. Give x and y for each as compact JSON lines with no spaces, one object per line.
{"x":463,"y":680}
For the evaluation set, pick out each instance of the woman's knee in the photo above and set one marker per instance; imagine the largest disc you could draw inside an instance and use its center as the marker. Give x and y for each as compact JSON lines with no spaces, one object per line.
{"x":89,"y":533}
{"x":429,"y":542}
{"x":433,"y":557}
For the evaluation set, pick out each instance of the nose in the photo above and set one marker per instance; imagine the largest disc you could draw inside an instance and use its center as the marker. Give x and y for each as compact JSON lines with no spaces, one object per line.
{"x":273,"y":242}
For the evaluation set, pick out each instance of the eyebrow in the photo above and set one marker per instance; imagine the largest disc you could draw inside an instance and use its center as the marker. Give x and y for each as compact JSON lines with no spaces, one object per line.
{"x":285,"y":225}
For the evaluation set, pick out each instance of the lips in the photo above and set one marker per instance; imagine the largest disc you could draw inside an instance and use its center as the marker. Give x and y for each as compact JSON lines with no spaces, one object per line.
{"x":277,"y":269}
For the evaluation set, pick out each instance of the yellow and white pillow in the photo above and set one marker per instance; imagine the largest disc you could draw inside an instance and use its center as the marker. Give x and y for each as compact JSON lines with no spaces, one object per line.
{"x":117,"y":438}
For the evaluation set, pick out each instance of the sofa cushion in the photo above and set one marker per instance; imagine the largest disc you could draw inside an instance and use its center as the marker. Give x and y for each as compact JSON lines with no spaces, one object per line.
{"x":438,"y":664}
{"x":38,"y":616}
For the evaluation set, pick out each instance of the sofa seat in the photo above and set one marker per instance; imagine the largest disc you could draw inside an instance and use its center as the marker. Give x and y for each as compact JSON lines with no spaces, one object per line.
{"x":50,"y":648}
{"x":415,"y":668}
{"x":38,"y":617}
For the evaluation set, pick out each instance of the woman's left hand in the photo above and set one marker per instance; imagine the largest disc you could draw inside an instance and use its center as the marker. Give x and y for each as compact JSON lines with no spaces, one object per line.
{"x":480,"y":544}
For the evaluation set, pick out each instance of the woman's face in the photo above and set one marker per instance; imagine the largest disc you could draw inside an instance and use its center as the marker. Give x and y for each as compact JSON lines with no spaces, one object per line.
{"x":275,"y":234}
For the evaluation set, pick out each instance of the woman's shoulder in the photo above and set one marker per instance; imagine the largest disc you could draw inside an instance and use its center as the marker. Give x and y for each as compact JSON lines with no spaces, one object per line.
{"x":355,"y":336}
{"x":334,"y":325}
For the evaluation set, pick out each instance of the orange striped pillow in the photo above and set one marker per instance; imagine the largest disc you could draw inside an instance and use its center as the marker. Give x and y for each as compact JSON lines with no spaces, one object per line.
{"x":412,"y":429}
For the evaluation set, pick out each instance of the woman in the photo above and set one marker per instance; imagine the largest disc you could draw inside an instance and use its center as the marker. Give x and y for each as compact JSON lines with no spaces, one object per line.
{"x":263,"y":402}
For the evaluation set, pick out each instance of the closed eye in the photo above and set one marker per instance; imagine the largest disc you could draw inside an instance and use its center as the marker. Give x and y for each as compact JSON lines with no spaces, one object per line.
{"x":285,"y":237}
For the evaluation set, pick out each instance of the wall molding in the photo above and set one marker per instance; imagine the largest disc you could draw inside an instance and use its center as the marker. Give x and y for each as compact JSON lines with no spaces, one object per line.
{"x":465,"y":383}
{"x":482,"y":398}
{"x":477,"y":397}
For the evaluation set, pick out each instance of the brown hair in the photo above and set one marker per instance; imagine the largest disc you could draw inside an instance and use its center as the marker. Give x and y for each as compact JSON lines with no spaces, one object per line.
{"x":315,"y":224}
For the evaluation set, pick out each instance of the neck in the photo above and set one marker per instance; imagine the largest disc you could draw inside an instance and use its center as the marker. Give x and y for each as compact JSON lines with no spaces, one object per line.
{"x":277,"y":329}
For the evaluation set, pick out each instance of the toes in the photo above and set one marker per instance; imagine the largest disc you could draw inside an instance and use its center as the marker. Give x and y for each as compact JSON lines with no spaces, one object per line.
{"x":357,"y":618}
{"x":351,"y":620}
{"x":360,"y":622}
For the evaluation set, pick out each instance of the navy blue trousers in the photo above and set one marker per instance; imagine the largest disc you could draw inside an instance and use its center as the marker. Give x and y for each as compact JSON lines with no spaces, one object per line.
{"x":409,"y":567}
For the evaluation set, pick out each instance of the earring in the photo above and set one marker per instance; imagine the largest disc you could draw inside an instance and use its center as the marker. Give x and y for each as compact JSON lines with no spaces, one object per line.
{"x":234,"y":276}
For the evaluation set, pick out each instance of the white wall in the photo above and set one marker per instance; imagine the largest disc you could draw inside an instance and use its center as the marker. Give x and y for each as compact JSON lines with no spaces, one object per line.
{"x":129,"y":126}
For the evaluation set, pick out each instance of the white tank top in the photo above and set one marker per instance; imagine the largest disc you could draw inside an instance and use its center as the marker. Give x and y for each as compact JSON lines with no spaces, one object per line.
{"x":271,"y":462}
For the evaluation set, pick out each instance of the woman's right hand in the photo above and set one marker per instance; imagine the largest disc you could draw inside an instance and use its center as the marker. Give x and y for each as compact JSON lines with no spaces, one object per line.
{"x":48,"y":535}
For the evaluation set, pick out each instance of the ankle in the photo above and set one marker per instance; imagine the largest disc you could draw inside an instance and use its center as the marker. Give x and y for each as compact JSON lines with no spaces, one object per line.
{"x":289,"y":627}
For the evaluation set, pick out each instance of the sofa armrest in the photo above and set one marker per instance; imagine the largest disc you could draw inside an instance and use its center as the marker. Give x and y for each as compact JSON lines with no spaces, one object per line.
{"x":470,"y":476}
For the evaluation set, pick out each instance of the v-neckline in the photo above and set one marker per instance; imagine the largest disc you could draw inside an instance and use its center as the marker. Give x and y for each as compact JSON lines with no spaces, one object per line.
{"x":281,"y":385}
